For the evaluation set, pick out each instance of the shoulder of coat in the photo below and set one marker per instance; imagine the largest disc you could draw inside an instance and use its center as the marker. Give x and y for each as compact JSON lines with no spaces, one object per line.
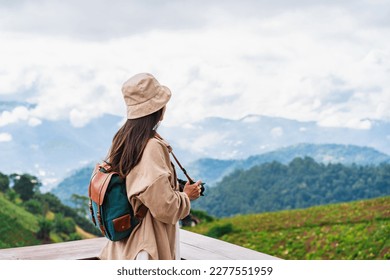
{"x":155,"y":141}
{"x":156,"y":144}
{"x":161,"y":142}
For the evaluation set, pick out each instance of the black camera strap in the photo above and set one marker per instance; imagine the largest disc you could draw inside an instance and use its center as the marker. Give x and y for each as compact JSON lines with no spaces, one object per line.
{"x":182,"y":168}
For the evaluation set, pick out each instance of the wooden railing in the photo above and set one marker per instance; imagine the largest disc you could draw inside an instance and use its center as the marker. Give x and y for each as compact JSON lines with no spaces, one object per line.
{"x":193,"y":246}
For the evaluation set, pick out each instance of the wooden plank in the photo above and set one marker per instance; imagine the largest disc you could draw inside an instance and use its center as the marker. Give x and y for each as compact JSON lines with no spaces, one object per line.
{"x":199,"y":247}
{"x":192,"y":247}
{"x":72,"y":250}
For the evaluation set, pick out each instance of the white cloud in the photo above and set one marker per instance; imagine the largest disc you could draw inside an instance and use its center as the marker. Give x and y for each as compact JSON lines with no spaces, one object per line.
{"x":79,"y":118}
{"x":48,"y":183}
{"x":19,"y":113}
{"x":201,"y":143}
{"x":236,"y":60}
{"x":5,"y":137}
{"x":34,"y":121}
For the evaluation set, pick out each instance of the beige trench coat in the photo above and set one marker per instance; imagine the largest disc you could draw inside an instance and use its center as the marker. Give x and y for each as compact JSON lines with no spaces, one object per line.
{"x":152,"y":182}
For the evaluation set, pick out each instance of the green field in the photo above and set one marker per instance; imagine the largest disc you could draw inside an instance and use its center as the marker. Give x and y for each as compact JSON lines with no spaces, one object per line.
{"x":357,"y":230}
{"x":17,"y":226}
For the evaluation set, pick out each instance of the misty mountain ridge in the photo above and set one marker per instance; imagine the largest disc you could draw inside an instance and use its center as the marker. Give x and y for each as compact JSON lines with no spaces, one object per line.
{"x":212,"y":171}
{"x":299,"y":184}
{"x":255,"y":134}
{"x":53,"y":150}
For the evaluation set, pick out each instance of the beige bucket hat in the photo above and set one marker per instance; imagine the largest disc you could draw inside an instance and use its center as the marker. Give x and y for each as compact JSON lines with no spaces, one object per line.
{"x":144,"y":95}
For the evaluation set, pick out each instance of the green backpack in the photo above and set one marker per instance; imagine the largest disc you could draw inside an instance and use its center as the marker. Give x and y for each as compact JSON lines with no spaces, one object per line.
{"x":110,"y":209}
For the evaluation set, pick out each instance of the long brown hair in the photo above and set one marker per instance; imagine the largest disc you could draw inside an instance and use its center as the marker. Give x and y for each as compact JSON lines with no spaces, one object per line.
{"x":130,"y":141}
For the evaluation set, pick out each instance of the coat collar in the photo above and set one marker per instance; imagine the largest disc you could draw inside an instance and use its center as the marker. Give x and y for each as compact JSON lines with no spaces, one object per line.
{"x":158,"y":137}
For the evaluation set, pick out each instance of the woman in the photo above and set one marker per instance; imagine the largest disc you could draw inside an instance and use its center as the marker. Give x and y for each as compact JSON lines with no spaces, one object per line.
{"x":142,"y":157}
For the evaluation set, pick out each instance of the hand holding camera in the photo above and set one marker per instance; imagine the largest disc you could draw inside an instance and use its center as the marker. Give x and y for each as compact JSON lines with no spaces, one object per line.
{"x":193,"y":190}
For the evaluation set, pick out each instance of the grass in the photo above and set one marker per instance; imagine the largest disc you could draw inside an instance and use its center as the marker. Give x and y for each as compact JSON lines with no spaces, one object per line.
{"x":357,"y":230}
{"x":84,"y":234}
{"x":17,"y":226}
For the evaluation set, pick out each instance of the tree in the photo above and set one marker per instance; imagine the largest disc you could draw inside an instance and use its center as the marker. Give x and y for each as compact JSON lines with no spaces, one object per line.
{"x":301,"y":183}
{"x":12,"y":196}
{"x":45,"y":226}
{"x":81,"y":203}
{"x":34,"y":206}
{"x":25,"y":185}
{"x":50,"y":201}
{"x":64,"y":224}
{"x":4,"y":183}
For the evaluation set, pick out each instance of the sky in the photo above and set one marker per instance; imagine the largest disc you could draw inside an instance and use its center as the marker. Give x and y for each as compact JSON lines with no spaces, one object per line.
{"x":322,"y":61}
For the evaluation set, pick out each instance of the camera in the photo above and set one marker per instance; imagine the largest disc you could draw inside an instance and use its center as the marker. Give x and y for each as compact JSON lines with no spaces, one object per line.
{"x":183,"y":182}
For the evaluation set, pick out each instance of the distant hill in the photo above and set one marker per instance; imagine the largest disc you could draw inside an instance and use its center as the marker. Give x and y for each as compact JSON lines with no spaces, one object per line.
{"x":56,"y":148}
{"x":300,"y":184}
{"x":77,"y":183}
{"x":18,"y":227}
{"x":213,"y":170}
{"x":358,"y":230}
{"x":256,"y":134}
{"x":22,"y":222}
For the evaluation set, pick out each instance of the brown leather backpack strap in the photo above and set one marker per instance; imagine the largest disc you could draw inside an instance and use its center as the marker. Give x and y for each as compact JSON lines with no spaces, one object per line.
{"x":100,"y":222}
{"x":91,"y":211}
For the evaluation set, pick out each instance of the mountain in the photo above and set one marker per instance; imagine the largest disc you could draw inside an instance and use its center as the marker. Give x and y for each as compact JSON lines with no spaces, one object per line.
{"x":253,"y":135}
{"x":18,"y":226}
{"x":213,"y":170}
{"x":52,"y":150}
{"x":300,"y":184}
{"x":77,"y":183}
{"x":43,"y":219}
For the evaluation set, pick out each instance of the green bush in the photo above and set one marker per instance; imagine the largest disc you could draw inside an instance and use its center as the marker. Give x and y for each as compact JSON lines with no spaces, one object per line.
{"x":11,"y":195}
{"x":202,"y":216}
{"x":74,"y":236}
{"x":33,"y":206}
{"x":4,"y":182}
{"x":45,"y":226}
{"x":220,"y":230}
{"x":64,"y":224}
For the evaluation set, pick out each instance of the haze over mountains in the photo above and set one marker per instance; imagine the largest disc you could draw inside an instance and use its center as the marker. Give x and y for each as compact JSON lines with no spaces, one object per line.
{"x":214,"y":171}
{"x":255,"y":134}
{"x":52,"y":150}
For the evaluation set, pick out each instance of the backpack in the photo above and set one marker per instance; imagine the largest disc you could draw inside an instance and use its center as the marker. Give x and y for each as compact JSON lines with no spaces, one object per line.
{"x":109,"y":205}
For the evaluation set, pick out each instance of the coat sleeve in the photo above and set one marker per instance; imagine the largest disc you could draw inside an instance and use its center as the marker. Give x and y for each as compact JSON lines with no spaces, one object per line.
{"x":164,"y":203}
{"x":160,"y":195}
